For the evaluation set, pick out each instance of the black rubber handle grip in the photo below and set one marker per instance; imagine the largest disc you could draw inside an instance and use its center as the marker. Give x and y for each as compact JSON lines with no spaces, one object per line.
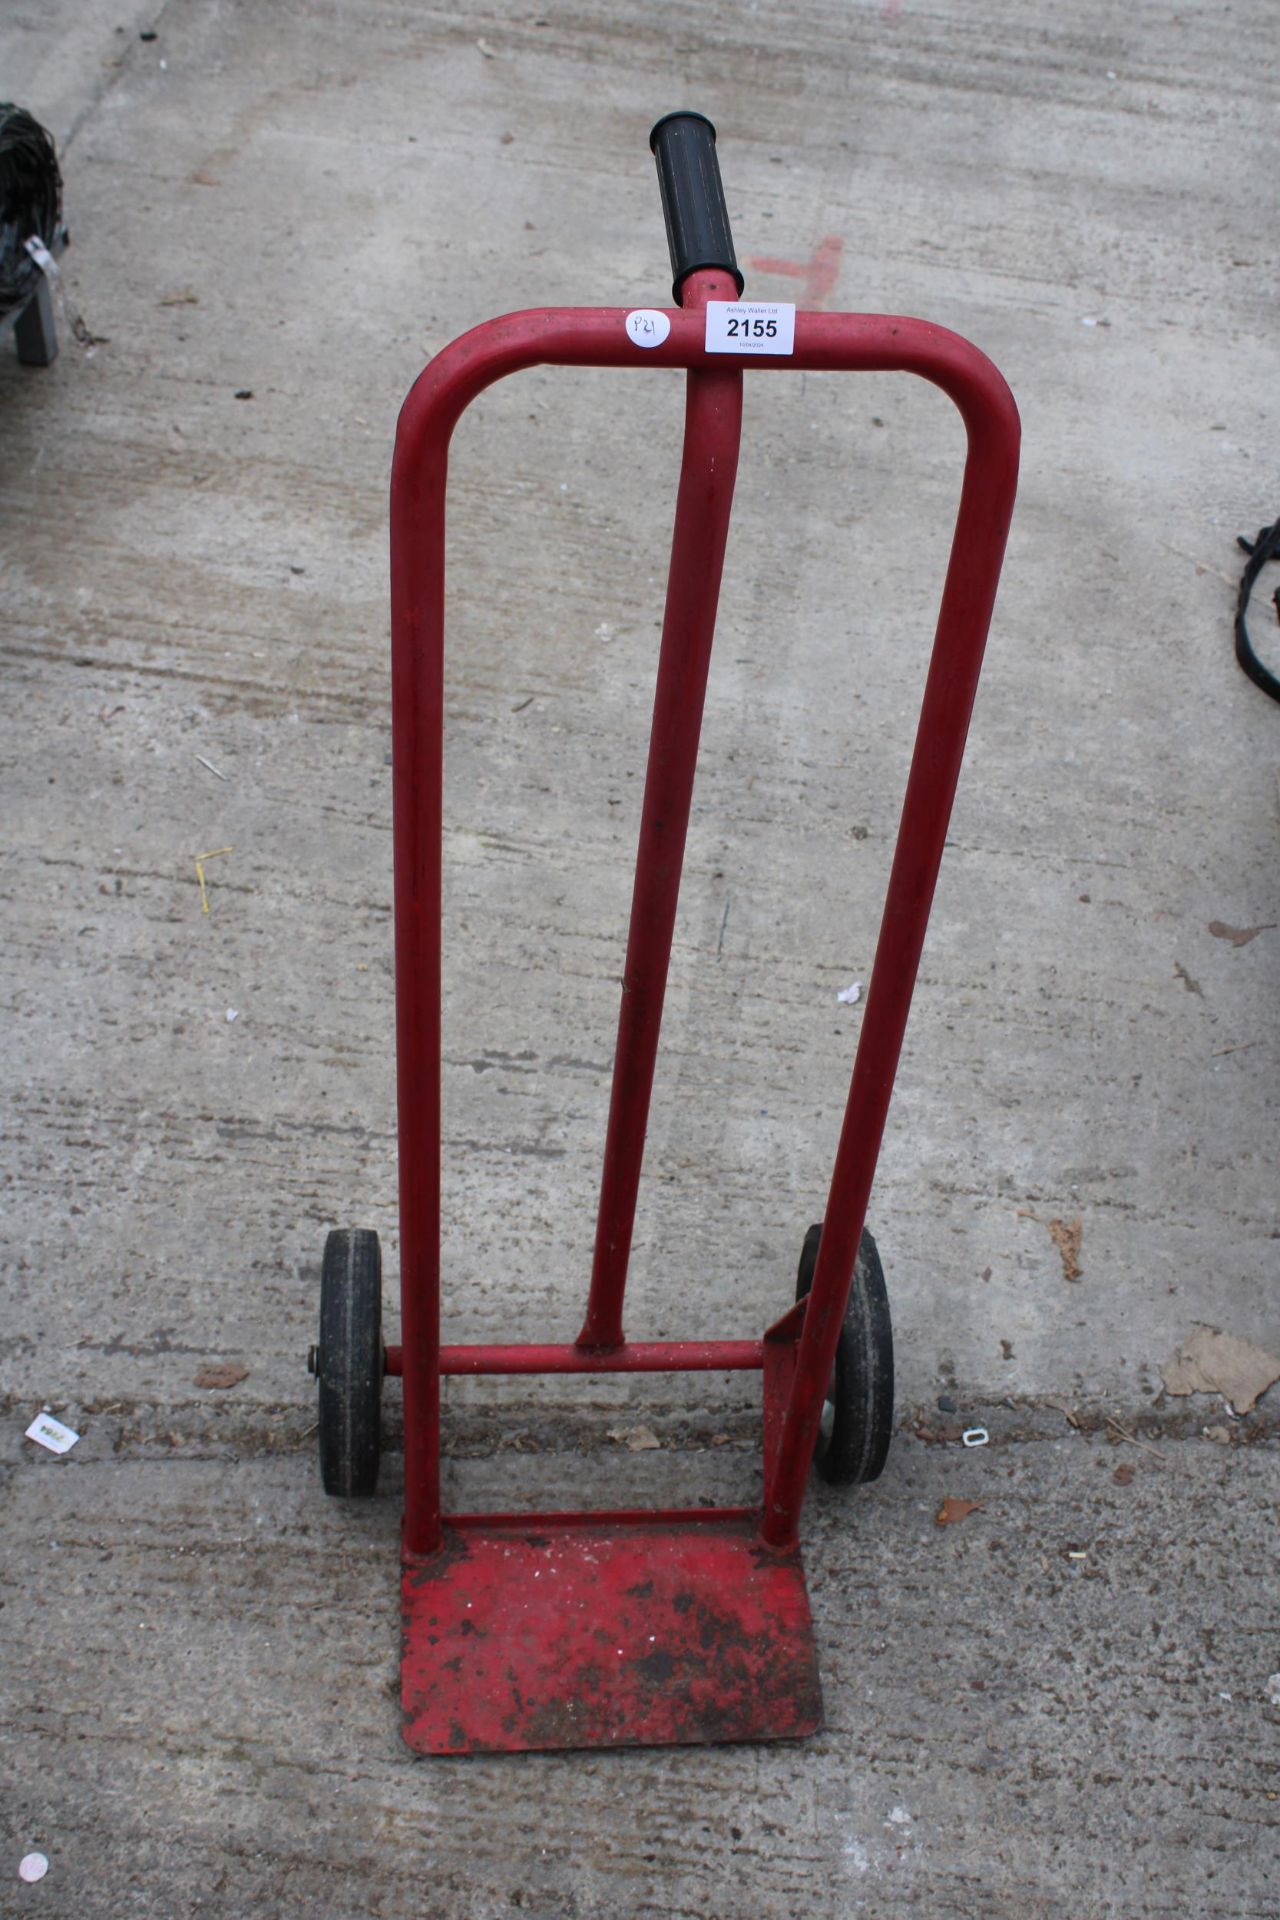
{"x":684,"y":145}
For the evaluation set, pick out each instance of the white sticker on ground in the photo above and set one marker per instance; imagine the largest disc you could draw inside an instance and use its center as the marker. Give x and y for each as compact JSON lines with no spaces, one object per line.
{"x":51,"y":1433}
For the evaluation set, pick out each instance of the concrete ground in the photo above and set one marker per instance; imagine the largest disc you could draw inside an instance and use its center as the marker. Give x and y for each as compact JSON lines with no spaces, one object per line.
{"x":1063,"y":1704}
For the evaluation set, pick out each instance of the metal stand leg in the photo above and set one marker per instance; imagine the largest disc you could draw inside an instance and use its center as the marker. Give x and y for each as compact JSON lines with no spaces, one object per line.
{"x":33,"y":330}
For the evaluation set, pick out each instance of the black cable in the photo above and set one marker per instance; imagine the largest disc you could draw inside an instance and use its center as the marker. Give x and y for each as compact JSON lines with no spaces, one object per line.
{"x":30,"y":201}
{"x":1265,"y":547}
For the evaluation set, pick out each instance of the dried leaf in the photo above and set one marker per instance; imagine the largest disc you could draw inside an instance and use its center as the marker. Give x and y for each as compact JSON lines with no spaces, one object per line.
{"x":1209,"y":1361}
{"x":1238,"y":936}
{"x":1123,"y":1475}
{"x":1066,"y":1236}
{"x":221,"y":1373}
{"x":636,"y":1439}
{"x":203,"y":179}
{"x":953,"y":1509}
{"x":1192,"y":986}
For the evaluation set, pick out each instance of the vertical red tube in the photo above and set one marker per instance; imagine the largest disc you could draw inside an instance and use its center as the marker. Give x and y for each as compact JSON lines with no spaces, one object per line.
{"x":712,"y":431}
{"x":986,"y":506}
{"x":417,"y":739}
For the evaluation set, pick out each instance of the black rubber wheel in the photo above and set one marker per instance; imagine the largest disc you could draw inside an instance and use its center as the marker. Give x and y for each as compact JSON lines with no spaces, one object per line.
{"x":857,"y":1417}
{"x":350,"y":1361}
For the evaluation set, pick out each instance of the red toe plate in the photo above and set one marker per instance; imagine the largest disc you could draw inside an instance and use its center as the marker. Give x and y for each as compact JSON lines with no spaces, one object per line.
{"x":522,"y":1634}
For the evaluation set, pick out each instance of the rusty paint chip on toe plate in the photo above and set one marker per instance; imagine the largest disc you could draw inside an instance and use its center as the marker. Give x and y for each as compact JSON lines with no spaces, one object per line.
{"x":522,"y":1635}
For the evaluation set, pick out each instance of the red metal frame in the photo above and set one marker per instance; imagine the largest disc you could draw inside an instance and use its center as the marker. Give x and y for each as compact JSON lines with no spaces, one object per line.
{"x":633,"y":1356}
{"x":702,"y":1566}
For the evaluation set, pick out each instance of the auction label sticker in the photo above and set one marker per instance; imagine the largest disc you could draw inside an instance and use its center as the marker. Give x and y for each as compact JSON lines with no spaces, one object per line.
{"x":647,"y":327}
{"x":750,"y":326}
